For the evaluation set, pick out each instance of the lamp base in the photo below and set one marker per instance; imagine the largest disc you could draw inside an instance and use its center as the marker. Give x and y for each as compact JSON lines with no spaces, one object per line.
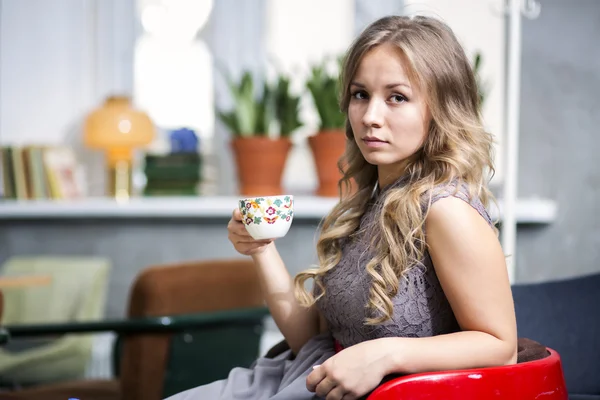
{"x":120,"y":181}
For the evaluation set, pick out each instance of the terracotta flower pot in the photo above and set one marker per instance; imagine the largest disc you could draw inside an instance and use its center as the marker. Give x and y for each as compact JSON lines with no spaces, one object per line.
{"x":260,"y":162}
{"x":327,"y":148}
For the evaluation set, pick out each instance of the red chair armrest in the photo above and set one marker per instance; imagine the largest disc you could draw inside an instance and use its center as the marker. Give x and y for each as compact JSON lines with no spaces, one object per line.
{"x":524,"y":381}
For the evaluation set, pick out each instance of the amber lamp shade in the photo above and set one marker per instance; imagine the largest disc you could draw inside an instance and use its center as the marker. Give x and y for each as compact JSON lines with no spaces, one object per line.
{"x":117,"y":129}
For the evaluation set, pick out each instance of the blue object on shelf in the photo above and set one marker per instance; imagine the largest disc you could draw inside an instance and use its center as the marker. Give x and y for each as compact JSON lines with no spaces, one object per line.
{"x":184,"y":140}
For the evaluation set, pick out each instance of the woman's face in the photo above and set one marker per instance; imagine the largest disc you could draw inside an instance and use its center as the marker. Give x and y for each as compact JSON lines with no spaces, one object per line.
{"x":388,"y":114}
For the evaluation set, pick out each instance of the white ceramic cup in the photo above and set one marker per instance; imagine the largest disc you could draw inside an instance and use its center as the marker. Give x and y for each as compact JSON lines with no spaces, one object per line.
{"x":267,"y":217}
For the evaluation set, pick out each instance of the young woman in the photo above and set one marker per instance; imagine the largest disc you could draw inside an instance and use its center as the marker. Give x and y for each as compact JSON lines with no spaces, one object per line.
{"x":411,"y":275}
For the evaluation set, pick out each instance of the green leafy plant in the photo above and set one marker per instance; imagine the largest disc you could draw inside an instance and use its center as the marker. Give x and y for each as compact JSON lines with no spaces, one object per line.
{"x":324,"y":88}
{"x":482,"y":86}
{"x":252,"y":114}
{"x":287,"y":107}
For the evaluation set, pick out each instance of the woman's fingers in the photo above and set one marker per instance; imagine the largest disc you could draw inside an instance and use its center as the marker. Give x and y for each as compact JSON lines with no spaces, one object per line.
{"x":239,"y":230}
{"x":244,"y":237}
{"x":250,"y":249}
{"x":237,"y":227}
{"x":325,"y":386}
{"x":337,"y":393}
{"x":241,"y":239}
{"x":237,"y":239}
{"x":237,"y":215}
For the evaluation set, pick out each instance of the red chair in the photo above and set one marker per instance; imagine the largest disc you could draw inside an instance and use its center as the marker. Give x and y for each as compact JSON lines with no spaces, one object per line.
{"x":541,"y":379}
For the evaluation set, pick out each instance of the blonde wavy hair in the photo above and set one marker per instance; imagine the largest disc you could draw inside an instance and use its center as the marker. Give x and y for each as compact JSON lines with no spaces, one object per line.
{"x":456,"y":149}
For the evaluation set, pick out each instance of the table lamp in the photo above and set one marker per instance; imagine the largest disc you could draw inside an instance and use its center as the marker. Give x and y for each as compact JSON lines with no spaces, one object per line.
{"x":117,"y":129}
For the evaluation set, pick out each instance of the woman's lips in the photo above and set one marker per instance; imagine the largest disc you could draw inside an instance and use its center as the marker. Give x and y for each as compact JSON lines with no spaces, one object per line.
{"x":374,"y":142}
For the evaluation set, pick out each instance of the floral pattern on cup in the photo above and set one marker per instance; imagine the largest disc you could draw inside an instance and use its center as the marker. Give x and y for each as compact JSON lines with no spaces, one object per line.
{"x":260,"y":209}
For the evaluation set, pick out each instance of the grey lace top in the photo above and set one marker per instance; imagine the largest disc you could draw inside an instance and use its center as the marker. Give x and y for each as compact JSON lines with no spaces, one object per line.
{"x":421,"y":308}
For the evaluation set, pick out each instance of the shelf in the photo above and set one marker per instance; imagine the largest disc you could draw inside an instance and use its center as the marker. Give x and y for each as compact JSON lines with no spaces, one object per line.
{"x":529,"y":211}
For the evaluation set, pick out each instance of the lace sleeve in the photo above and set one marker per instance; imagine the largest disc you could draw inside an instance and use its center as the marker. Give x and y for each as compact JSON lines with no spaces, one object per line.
{"x":461,"y":192}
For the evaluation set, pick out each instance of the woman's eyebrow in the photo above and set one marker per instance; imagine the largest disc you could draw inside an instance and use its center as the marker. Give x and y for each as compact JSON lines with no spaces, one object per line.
{"x":388,"y":86}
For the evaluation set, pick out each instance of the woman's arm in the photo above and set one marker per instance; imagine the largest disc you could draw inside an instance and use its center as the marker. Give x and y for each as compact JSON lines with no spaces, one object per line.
{"x":297,"y":323}
{"x":470,"y":265}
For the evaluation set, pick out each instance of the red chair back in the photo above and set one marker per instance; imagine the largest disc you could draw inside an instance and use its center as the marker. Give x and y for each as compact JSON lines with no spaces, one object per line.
{"x":539,"y":379}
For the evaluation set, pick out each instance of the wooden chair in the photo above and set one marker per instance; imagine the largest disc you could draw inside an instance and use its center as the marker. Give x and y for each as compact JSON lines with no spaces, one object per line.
{"x":187,"y":325}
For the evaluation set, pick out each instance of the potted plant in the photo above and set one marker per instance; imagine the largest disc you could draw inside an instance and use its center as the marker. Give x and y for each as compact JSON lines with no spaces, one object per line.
{"x":287,"y":108}
{"x":260,"y":152}
{"x":329,"y":143}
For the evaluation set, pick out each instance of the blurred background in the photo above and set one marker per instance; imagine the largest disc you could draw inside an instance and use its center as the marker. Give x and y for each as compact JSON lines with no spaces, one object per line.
{"x":129,"y":129}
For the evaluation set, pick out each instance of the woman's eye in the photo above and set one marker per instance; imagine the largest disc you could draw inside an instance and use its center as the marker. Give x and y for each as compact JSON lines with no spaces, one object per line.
{"x":360,"y":95}
{"x":398,"y":98}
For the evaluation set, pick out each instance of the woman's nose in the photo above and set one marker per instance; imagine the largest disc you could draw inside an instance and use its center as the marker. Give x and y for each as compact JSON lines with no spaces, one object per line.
{"x":373,"y":116}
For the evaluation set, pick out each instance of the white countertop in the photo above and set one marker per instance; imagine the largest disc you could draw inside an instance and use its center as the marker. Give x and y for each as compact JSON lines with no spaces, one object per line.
{"x":529,"y":210}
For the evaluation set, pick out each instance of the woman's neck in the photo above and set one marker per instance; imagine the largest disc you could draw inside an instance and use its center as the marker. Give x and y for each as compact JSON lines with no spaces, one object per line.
{"x":388,"y":175}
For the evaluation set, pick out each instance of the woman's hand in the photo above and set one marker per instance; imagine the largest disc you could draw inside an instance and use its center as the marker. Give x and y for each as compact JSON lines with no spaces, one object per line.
{"x":241,"y":239}
{"x":351,"y":373}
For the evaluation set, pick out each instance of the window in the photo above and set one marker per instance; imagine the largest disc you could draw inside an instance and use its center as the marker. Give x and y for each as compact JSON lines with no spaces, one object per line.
{"x":173,"y":76}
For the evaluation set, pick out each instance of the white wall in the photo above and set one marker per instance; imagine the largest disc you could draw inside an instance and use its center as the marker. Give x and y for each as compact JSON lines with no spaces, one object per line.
{"x":45,"y":70}
{"x":479,"y":26}
{"x":58,"y":59}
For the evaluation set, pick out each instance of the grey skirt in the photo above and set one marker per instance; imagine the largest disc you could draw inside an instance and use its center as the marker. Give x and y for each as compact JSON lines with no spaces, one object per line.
{"x":279,"y":378}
